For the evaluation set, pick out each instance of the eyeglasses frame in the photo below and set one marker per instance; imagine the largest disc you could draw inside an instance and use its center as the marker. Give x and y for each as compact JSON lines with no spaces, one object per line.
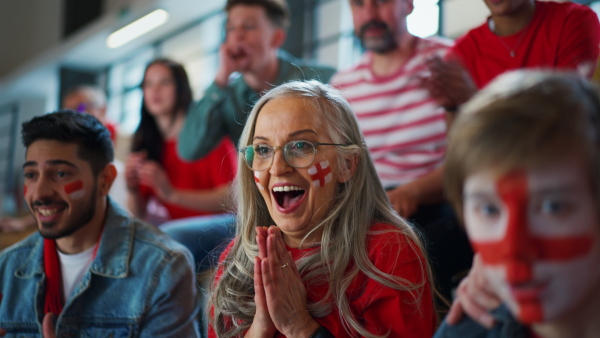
{"x":275,"y":148}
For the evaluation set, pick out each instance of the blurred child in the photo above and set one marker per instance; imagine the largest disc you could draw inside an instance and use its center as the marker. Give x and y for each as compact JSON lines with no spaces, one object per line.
{"x":522,"y":170}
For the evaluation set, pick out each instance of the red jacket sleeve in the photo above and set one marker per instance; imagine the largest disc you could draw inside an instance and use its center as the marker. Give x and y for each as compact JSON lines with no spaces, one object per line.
{"x":397,"y":312}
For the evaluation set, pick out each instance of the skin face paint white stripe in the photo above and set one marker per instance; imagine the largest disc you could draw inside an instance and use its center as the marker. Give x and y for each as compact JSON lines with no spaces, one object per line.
{"x":75,"y":190}
{"x":77,"y":194}
{"x":257,"y":180}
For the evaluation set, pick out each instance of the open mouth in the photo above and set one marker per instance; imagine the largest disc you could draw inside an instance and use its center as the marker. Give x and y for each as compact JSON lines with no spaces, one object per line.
{"x":288,"y":197}
{"x":239,"y":55}
{"x":49,"y":213}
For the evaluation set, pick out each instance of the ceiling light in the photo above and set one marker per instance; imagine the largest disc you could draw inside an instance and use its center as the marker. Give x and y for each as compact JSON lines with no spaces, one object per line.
{"x":137,"y":28}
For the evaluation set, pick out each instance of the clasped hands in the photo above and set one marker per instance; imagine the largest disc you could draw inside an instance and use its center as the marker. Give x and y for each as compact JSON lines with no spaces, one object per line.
{"x":279,"y":294}
{"x":140,"y":170}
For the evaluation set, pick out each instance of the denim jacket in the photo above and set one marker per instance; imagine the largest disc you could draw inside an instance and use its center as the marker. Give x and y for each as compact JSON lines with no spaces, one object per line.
{"x":506,"y":327}
{"x":141,"y":284}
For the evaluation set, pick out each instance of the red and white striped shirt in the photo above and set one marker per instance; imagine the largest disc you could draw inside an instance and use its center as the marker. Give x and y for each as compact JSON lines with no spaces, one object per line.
{"x":404,"y":129}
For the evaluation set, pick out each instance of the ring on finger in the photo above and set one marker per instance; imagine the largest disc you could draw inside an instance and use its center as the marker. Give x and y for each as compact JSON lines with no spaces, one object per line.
{"x":285,"y":265}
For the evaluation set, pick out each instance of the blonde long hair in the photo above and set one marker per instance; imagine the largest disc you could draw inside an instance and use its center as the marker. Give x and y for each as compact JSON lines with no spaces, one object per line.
{"x":360,"y":203}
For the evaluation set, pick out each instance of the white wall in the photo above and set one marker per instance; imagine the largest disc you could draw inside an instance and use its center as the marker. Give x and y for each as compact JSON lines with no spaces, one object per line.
{"x":462,"y":15}
{"x":27,"y":28}
{"x":28,"y":108}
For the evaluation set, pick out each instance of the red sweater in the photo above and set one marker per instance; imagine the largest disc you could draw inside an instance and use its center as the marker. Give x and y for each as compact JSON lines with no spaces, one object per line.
{"x":560,"y":36}
{"x":380,"y":309}
{"x":212,"y":171}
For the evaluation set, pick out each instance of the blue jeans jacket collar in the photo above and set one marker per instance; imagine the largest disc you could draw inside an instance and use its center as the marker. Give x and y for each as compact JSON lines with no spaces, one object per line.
{"x":113,"y":257}
{"x":141,"y":283}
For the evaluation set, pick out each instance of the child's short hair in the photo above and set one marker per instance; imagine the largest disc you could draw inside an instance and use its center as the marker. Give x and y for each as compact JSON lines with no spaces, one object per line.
{"x":523,"y":119}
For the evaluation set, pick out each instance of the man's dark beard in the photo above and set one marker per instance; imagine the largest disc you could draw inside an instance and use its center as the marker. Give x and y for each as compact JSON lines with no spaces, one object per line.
{"x":79,"y":220}
{"x":384,"y":44}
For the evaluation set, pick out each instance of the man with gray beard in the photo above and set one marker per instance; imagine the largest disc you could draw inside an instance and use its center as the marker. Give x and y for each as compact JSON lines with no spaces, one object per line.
{"x":404,"y":128}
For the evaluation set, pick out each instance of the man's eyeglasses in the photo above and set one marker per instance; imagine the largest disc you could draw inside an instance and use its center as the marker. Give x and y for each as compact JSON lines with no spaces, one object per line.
{"x":298,"y":154}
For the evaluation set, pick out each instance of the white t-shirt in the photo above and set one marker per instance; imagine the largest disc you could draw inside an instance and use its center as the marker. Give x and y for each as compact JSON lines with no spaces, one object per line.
{"x":73,"y":267}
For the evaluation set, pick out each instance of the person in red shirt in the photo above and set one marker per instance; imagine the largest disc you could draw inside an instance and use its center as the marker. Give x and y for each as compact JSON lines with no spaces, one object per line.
{"x":518,"y":34}
{"x":319,"y":251}
{"x":157,"y":178}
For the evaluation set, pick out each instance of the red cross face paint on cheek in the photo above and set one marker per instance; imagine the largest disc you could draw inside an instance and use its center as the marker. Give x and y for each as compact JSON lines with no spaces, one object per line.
{"x":257,"y":180}
{"x":320,"y":173}
{"x":523,"y":256}
{"x":75,"y":190}
{"x":24,"y":190}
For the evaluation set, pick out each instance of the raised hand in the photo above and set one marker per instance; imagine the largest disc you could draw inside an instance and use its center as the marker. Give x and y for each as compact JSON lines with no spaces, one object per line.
{"x":474,"y":297}
{"x":132,"y":165}
{"x":49,"y":326}
{"x":262,"y":325}
{"x":403,"y":201}
{"x":284,"y":291}
{"x":448,"y":82}
{"x":153,"y":175}
{"x":233,"y":57}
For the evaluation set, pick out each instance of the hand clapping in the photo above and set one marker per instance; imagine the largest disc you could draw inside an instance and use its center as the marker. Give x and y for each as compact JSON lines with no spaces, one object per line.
{"x":280,"y":295}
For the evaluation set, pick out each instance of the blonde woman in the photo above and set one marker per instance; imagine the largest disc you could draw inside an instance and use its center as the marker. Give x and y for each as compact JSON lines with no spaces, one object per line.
{"x":319,"y":251}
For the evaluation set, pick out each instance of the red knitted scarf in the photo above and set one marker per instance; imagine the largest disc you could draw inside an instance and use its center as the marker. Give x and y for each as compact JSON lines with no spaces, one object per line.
{"x":54,"y":289}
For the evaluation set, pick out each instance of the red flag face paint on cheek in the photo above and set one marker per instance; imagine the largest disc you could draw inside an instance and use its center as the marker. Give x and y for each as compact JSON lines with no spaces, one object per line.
{"x":320,"y":173}
{"x":257,"y":181}
{"x":75,"y":190}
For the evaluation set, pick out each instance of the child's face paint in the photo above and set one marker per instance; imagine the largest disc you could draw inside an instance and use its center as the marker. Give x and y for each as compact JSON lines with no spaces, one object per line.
{"x":537,"y":232}
{"x":75,"y":190}
{"x":320,"y":174}
{"x":257,"y":180}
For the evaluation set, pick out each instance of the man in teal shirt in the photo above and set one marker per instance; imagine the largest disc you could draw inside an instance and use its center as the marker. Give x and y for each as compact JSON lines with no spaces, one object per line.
{"x":250,"y":64}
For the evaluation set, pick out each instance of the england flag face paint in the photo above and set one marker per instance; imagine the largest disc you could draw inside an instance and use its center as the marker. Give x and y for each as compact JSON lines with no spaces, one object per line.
{"x":297,"y":198}
{"x":320,"y":174}
{"x":537,"y":232}
{"x":257,"y":180}
{"x":75,"y":190}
